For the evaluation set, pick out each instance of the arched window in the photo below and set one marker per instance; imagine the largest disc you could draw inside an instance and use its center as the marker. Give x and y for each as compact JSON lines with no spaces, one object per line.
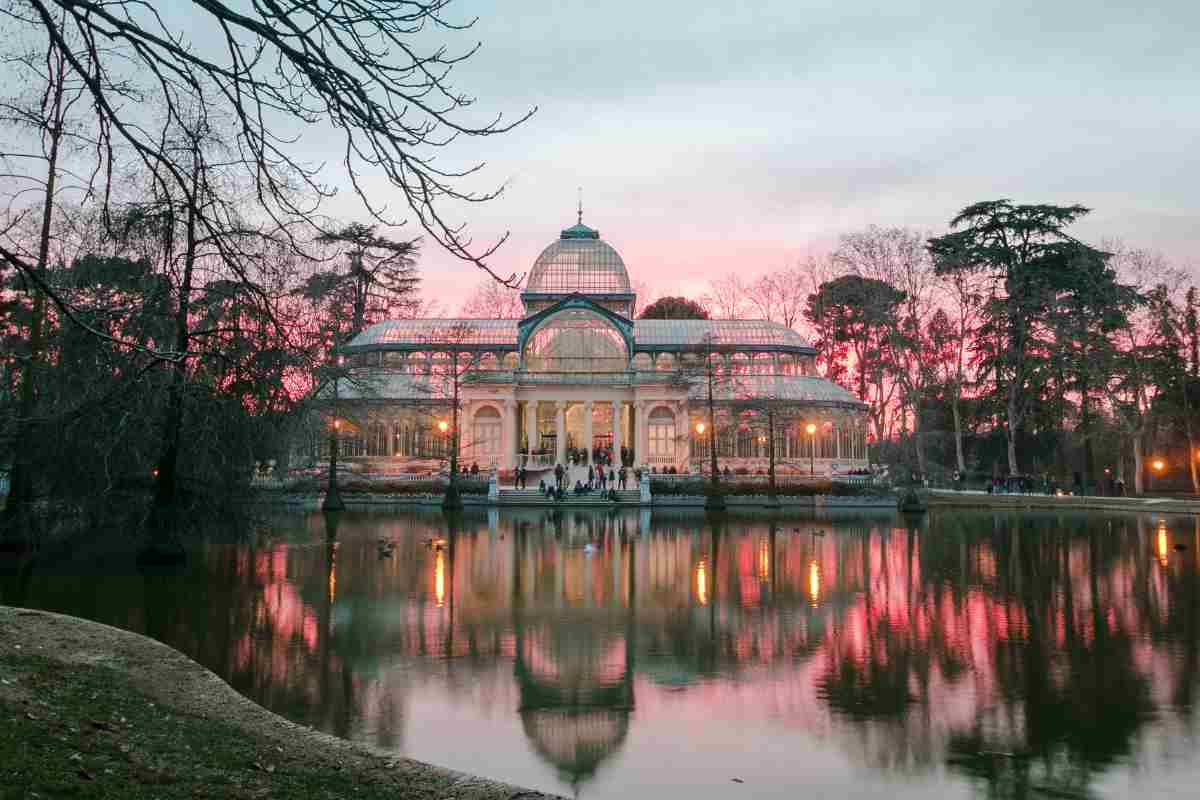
{"x":576,"y":341}
{"x":665,"y":362}
{"x":787,"y":364}
{"x":662,"y":436}
{"x":643,"y":362}
{"x":485,"y":439}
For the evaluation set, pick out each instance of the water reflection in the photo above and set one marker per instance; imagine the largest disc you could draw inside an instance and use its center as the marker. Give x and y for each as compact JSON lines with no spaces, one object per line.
{"x":1009,"y":655}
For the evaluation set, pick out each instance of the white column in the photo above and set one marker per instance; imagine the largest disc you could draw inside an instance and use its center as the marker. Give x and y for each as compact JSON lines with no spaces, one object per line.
{"x":617,"y":407}
{"x":508,"y":459}
{"x":587,"y":431}
{"x":530,"y":425}
{"x":639,"y":433}
{"x":681,"y":434}
{"x":560,"y":428}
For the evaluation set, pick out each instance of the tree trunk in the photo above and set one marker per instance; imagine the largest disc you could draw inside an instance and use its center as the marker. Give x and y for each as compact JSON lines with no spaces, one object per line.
{"x":1014,"y":425}
{"x":1139,"y":465}
{"x":166,"y":489}
{"x":958,"y":438}
{"x":1192,"y":454}
{"x":20,"y":487}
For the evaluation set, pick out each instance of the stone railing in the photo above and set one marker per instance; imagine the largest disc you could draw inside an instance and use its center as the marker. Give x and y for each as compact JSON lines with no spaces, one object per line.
{"x":536,"y":460}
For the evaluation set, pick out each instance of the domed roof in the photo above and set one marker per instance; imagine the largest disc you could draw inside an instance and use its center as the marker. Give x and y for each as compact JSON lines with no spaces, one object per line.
{"x":580,"y":261}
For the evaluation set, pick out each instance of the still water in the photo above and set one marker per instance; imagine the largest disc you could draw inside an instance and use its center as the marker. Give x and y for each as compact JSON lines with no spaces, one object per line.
{"x":612,"y":655}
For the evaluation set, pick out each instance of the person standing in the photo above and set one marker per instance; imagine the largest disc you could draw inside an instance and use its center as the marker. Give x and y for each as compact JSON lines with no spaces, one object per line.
{"x":558,"y":475}
{"x":591,"y":475}
{"x":621,"y":476}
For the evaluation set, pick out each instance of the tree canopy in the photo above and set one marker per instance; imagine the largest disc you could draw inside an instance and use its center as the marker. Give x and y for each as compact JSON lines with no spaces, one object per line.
{"x":674,"y":308}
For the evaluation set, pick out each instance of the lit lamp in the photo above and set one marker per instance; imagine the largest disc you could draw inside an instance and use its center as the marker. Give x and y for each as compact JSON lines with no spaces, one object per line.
{"x":443,"y":426}
{"x":1157,"y":465}
{"x":811,"y":430}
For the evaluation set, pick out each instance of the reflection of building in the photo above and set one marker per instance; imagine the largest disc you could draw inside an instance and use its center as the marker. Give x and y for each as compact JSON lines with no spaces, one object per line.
{"x":575,"y":677}
{"x":579,"y":372}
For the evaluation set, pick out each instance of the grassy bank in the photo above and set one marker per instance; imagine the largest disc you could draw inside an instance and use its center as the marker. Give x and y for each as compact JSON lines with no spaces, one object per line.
{"x":82,"y":717}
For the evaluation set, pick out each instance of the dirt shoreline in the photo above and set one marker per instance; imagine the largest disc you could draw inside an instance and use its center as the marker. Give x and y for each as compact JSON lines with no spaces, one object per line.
{"x":189,"y":694}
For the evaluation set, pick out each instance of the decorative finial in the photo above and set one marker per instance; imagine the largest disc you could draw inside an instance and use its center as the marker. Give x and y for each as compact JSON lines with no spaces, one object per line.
{"x":579,"y":220}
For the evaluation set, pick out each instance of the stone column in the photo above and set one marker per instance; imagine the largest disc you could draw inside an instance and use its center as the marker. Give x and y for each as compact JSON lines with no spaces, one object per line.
{"x":616,"y":440}
{"x":639,"y":433}
{"x":530,"y":425}
{"x":560,"y":428}
{"x":587,"y":430}
{"x":508,"y":459}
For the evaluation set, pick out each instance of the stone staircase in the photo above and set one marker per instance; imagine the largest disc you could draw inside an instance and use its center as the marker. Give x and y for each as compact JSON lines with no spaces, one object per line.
{"x":532,"y":497}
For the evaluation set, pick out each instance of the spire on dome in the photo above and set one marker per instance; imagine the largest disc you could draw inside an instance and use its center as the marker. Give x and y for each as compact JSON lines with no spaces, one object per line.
{"x":579,"y":220}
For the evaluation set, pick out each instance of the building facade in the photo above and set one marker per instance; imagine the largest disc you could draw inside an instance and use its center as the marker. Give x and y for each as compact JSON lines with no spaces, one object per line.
{"x":578,"y":379}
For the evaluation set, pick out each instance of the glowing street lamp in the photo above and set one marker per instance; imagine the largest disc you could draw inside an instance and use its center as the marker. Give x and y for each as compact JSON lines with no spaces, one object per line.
{"x":1159,"y":465}
{"x":700,"y":428}
{"x":811,"y":430}
{"x":443,"y":426}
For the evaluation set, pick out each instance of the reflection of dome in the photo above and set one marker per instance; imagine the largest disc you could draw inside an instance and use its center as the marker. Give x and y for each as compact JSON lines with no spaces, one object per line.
{"x":576,"y":695}
{"x":575,"y":740}
{"x":578,"y":262}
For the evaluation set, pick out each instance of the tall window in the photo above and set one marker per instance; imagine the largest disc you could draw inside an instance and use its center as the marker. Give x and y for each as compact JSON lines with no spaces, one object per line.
{"x":486,"y":435}
{"x":662,"y":436}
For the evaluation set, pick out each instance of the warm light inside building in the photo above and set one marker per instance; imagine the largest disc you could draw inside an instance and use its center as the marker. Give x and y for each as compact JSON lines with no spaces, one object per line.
{"x":702,"y":583}
{"x":1158,"y":465}
{"x":439,"y":579}
{"x":810,"y":428}
{"x":814,"y":581}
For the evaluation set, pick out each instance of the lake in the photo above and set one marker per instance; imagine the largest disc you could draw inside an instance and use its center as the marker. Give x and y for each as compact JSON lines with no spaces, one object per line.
{"x":616,"y":654}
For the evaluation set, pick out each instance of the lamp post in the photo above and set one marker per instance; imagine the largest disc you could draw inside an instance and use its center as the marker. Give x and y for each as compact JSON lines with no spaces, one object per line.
{"x":1158,"y":465}
{"x":333,"y":498}
{"x":811,"y":430}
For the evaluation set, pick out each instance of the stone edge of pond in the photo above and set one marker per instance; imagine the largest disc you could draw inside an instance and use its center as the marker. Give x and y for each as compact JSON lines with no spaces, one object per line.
{"x":173,"y":679}
{"x":947,"y":499}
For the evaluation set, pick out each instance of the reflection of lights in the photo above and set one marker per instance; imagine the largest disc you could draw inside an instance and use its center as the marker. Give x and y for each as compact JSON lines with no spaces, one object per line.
{"x":1162,"y":543}
{"x":702,"y":583}
{"x":439,"y":579}
{"x":337,"y":423}
{"x":814,"y":581}
{"x":332,"y":588}
{"x":764,"y":560}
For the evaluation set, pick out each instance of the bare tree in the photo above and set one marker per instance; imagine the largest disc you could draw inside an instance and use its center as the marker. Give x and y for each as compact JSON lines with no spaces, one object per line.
{"x":280,"y":69}
{"x":50,"y":120}
{"x":492,"y":300}
{"x":725,"y":298}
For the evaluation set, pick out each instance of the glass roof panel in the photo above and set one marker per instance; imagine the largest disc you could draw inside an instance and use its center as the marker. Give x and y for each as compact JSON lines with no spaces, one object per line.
{"x":439,"y":332}
{"x":725,"y":332}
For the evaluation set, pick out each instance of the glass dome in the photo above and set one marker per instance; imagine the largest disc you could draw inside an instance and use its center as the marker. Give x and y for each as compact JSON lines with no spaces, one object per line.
{"x":580,"y":261}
